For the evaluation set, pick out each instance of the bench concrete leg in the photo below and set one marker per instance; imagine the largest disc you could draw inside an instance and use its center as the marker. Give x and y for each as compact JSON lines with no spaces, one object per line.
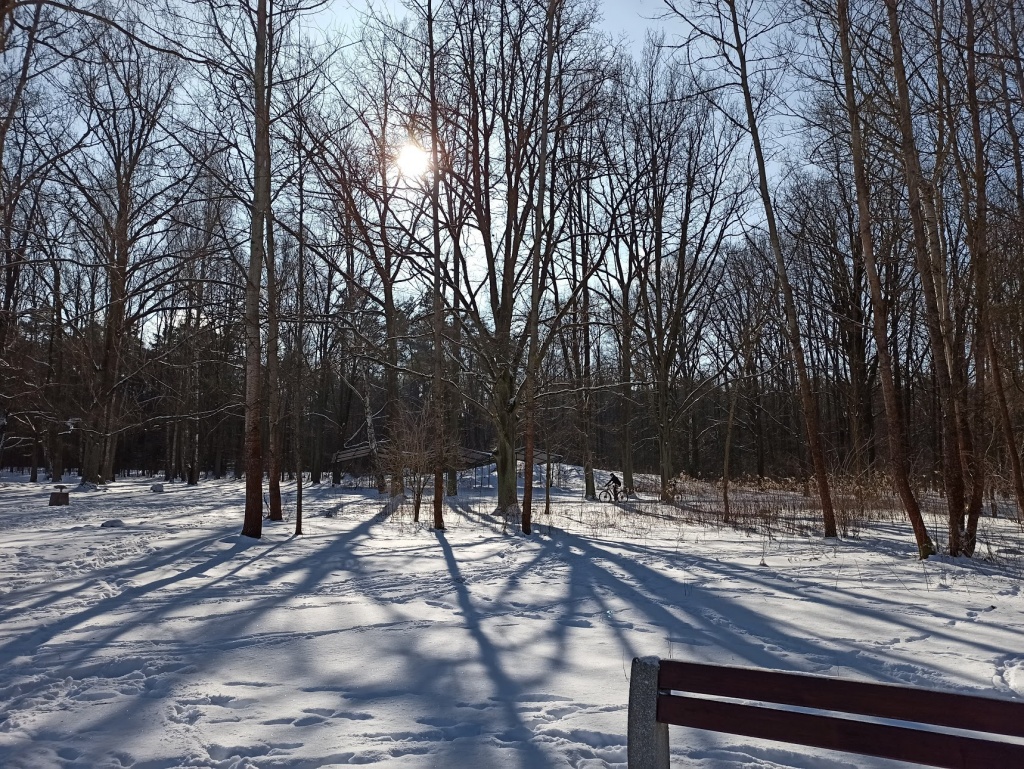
{"x":647,"y":740}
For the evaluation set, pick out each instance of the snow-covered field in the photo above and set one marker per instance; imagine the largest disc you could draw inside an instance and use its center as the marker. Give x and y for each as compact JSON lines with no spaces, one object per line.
{"x":174,"y":642}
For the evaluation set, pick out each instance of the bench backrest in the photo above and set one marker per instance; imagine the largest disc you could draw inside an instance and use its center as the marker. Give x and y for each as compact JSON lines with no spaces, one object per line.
{"x":830,"y":713}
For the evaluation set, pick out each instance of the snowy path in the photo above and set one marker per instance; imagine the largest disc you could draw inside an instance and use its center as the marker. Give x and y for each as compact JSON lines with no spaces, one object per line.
{"x":173,"y":642}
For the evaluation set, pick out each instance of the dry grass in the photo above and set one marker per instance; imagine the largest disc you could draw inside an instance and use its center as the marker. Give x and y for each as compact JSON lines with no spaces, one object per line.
{"x":774,"y":511}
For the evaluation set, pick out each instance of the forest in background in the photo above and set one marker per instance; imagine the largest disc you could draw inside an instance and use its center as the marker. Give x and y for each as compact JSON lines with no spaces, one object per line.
{"x":783,"y":242}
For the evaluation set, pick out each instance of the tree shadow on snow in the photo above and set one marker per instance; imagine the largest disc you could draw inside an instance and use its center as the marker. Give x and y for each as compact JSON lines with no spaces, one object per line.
{"x":671,"y":614}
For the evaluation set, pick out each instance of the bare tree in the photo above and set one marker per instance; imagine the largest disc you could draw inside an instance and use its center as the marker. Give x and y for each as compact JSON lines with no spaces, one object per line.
{"x":122,"y":208}
{"x":682,"y":205}
{"x":894,"y":416}
{"x":731,"y":31}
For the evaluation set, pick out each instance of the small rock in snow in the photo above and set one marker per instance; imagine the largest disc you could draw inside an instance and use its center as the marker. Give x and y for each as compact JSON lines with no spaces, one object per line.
{"x":113,"y":523}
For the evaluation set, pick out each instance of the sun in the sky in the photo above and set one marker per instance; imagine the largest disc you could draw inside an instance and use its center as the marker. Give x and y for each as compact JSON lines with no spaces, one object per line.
{"x":412,"y":160}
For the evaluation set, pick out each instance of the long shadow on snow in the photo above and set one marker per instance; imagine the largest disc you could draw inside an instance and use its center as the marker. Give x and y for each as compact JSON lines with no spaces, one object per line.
{"x":658,"y":598}
{"x":507,"y":691}
{"x":109,"y":605}
{"x":42,"y":635}
{"x":704,"y":607}
{"x":150,"y":710}
{"x":316,"y":569}
{"x":427,"y":676}
{"x":686,"y":617}
{"x":838,"y":598}
{"x":120,"y":571}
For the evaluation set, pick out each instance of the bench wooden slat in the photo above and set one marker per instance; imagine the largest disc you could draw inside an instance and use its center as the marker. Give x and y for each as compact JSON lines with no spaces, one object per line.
{"x":959,"y":711}
{"x":834,"y":733}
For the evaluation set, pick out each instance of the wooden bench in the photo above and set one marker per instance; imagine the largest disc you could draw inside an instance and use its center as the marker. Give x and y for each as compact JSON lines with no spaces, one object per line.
{"x":820,"y":712}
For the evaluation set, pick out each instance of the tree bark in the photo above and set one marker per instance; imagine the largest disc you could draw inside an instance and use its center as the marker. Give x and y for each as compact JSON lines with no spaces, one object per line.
{"x":275,"y":439}
{"x":808,"y":401}
{"x":894,"y":418}
{"x":928,"y":261}
{"x":300,"y":342}
{"x":505,"y":419}
{"x":252,"y":525}
{"x":438,"y":386}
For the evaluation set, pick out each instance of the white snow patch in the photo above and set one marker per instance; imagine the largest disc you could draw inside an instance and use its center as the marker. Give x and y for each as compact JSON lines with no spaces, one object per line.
{"x":1014,"y":677}
{"x":371,"y":639}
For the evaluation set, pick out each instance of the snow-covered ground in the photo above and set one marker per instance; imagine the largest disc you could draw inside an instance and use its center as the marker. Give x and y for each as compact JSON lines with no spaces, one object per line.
{"x":172,"y":641}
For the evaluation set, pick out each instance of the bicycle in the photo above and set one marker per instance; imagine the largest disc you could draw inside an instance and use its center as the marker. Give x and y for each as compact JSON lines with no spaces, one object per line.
{"x":608,"y":495}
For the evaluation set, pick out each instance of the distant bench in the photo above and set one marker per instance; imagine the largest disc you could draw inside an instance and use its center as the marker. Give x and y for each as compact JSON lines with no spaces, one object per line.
{"x":844,"y":715}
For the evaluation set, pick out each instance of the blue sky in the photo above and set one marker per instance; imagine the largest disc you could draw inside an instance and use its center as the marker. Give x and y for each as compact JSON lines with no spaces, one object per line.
{"x":630,"y":17}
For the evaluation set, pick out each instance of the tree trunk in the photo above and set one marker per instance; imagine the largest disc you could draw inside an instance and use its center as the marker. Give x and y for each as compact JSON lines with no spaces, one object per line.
{"x":252,"y":525}
{"x":978,"y":245}
{"x":33,"y":474}
{"x":109,"y":453}
{"x":275,"y":439}
{"x":171,"y":442}
{"x":808,"y":401}
{"x":505,"y":421}
{"x":896,"y":431}
{"x":533,"y":353}
{"x":529,"y":432}
{"x":733,"y":401}
{"x":928,"y":262}
{"x":300,"y":344}
{"x":664,"y":440}
{"x":626,"y":392}
{"x":57,"y":455}
{"x":193,"y":470}
{"x":437,"y":394}
{"x":586,"y":412}
{"x":1006,"y":423}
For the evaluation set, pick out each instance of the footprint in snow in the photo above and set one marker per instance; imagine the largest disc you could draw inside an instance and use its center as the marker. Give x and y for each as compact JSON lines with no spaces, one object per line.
{"x":223,"y":752}
{"x":539,"y":698}
{"x":96,"y":695}
{"x":408,"y":751}
{"x":285,"y":745}
{"x":437,"y":721}
{"x":516,"y":734}
{"x":352,"y":715}
{"x":120,"y":758}
{"x":316,"y":716}
{"x":474,"y":705}
{"x":450,"y":728}
{"x":560,"y":712}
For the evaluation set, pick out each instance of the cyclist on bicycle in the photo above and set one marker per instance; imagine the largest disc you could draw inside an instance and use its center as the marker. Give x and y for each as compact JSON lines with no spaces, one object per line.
{"x":614,"y":484}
